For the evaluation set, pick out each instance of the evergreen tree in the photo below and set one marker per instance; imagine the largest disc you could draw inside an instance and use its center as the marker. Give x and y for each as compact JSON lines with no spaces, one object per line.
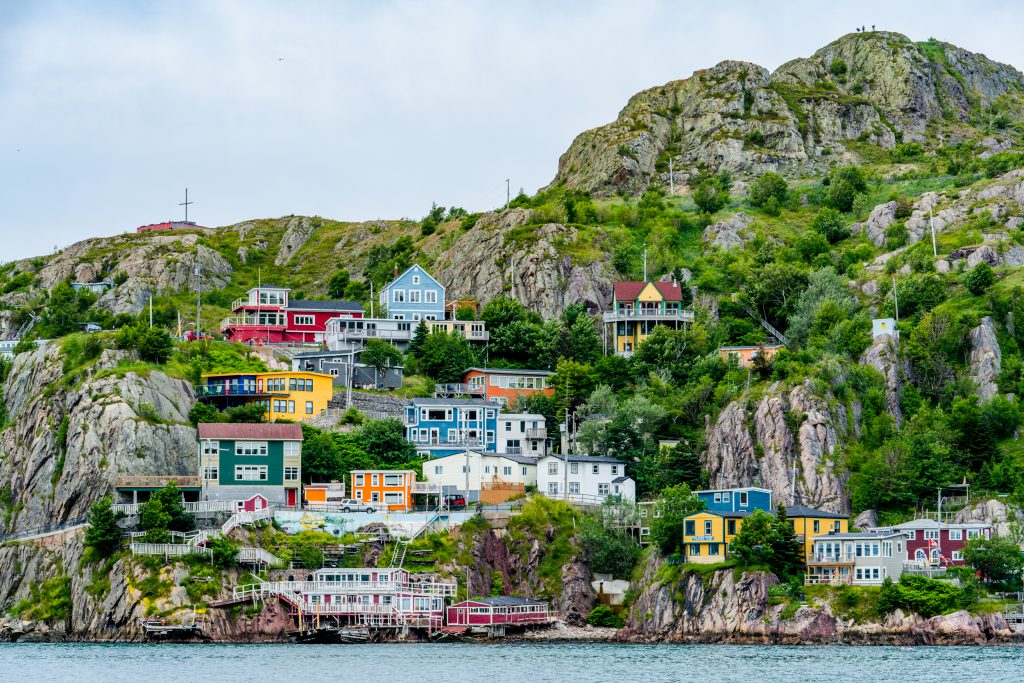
{"x":418,"y":339}
{"x":170,"y":501}
{"x":102,"y":534}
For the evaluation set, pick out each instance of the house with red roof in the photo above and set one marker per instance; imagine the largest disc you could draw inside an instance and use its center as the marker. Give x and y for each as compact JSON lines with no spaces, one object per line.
{"x":638,"y":307}
{"x":240,"y":461}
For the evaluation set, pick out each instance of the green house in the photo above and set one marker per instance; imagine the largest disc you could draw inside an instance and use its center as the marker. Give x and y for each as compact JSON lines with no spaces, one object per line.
{"x":243,"y":462}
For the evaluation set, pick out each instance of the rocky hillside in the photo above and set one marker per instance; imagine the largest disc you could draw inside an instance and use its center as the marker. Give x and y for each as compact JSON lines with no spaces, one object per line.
{"x":878,"y":88}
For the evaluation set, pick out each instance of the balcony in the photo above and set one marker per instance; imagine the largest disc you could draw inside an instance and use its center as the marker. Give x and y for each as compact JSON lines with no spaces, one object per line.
{"x":685,"y":315}
{"x":250,"y":321}
{"x":155,"y":481}
{"x":372,"y":333}
{"x":457,"y":389}
{"x":208,"y":390}
{"x":464,"y":442}
{"x":471,"y":331}
{"x":513,"y":450}
{"x":536,"y":433}
{"x":831,"y":558}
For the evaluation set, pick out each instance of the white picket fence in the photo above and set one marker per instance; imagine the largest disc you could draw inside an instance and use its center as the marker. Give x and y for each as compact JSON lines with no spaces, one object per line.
{"x":194,"y":542}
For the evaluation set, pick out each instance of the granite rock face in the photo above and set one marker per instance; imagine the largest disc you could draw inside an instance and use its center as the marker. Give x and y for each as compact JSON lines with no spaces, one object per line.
{"x":985,"y":360}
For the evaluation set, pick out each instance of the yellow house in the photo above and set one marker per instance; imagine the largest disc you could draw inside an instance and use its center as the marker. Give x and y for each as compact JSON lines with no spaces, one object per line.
{"x":707,"y":534}
{"x":292,"y":395}
{"x":639,"y":307}
{"x":809,"y":523}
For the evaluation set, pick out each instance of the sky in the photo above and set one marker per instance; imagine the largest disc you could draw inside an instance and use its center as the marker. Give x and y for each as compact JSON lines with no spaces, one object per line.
{"x":359,"y":110}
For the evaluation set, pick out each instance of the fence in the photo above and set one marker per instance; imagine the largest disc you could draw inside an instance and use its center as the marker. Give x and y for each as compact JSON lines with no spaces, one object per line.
{"x":42,"y":530}
{"x":131,"y":509}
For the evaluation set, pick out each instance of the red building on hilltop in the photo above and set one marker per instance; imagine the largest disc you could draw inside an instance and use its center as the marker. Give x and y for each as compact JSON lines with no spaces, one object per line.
{"x":268,"y":315}
{"x":169,"y":225}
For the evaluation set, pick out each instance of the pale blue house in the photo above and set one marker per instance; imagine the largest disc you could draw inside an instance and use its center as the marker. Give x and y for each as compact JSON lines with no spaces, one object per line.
{"x":414,"y":295}
{"x":445,"y":426}
{"x":739,"y":499}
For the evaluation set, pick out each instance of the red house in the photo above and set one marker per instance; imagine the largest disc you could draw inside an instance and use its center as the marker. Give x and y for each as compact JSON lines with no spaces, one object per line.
{"x":930,"y":543}
{"x":505,"y":610}
{"x":168,"y":225}
{"x":268,"y":315}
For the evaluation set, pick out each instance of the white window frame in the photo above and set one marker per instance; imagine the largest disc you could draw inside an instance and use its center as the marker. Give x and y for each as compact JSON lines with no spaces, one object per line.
{"x":251,"y":448}
{"x":603,"y":489}
{"x":430,"y":297}
{"x":211,"y":473}
{"x":553,"y":467}
{"x":305,"y":320}
{"x":398,"y":296}
{"x":250,"y":473}
{"x":291,"y":473}
{"x":414,"y":296}
{"x":211,"y":448}
{"x":956,"y":534}
{"x":292,"y":448}
{"x":574,"y":488}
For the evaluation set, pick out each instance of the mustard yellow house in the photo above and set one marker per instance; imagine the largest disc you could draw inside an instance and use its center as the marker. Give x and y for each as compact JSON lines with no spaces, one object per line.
{"x":707,"y":534}
{"x":639,"y":307}
{"x":809,"y":523}
{"x":293,"y":395}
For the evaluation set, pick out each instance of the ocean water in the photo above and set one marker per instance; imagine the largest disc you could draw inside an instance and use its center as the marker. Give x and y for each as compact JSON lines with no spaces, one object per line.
{"x":458,"y":663}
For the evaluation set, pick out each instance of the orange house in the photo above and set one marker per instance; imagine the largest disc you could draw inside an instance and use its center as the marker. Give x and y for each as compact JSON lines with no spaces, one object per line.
{"x":389,"y":489}
{"x":504,"y":384}
{"x":744,"y":355}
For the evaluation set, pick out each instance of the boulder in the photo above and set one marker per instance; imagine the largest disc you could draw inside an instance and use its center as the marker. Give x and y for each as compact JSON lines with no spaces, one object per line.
{"x":728,"y":233}
{"x":985,"y":359}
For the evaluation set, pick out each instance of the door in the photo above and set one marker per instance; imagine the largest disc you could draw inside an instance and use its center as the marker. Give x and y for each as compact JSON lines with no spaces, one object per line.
{"x":290,"y":497}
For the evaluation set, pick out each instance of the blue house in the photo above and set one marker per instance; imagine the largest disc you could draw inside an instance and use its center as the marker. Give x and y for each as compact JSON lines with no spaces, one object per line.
{"x":414,"y":295}
{"x":446,"y":426}
{"x":740,"y":499}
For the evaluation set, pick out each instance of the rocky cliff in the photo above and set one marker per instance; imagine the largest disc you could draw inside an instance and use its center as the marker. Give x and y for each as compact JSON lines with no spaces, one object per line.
{"x":876,"y":87}
{"x":736,"y":607}
{"x":787,"y":431}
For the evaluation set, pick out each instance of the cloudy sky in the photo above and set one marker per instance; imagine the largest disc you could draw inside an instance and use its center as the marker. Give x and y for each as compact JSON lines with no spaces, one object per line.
{"x":358,"y":110}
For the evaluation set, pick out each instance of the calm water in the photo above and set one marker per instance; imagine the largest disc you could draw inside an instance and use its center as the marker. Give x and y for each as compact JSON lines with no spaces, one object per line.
{"x":455,"y":663}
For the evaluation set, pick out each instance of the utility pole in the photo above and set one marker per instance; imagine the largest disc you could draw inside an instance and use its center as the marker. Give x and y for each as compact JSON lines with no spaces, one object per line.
{"x":645,"y":264}
{"x":151,"y":309}
{"x":508,"y":193}
{"x":199,"y":301}
{"x":671,"y":177}
{"x":186,"y":204}
{"x":931,"y":224}
{"x":371,"y":298}
{"x":895,"y":299}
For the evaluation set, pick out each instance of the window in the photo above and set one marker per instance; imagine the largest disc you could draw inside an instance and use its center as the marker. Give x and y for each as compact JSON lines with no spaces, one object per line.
{"x":602,"y":489}
{"x":956,"y":534}
{"x":731,"y":527}
{"x":305,"y":320}
{"x":394,"y":498}
{"x":309,"y":407}
{"x":250,"y":472}
{"x":438,"y":469}
{"x":574,"y":487}
{"x":430,"y":296}
{"x":374,"y":480}
{"x":615,"y":469}
{"x":291,"y":406}
{"x":210,"y":473}
{"x":973,"y":533}
{"x":743,"y":498}
{"x":487,"y":469}
{"x":707,"y":527}
{"x":712,"y":549}
{"x":360,"y":479}
{"x":931,"y":534}
{"x":465,"y":469}
{"x":694,"y":549}
{"x":490,"y":436}
{"x":292,"y":384}
{"x":836,"y":527}
{"x":291,"y":473}
{"x":211,"y":447}
{"x":291,"y":447}
{"x":574,"y":468}
{"x":414,"y":296}
{"x":690,"y":527}
{"x":394,"y":479}
{"x":398,"y":296}
{"x":553,"y":467}
{"x":506,"y":471}
{"x":552,"y":488}
{"x":958,"y":555}
{"x":718,"y":497}
{"x":525,"y":471}
{"x":595,"y":469}
{"x":250,"y":448}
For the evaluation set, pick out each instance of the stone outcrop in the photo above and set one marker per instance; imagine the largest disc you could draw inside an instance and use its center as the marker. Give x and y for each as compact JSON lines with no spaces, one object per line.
{"x":1000,"y":515}
{"x":737,"y":116}
{"x":787,"y":429}
{"x":986,"y":359}
{"x":296,"y":234}
{"x":883,"y":355}
{"x":504,"y":255}
{"x":727,"y":607}
{"x":728,"y":233}
{"x":882,"y":216}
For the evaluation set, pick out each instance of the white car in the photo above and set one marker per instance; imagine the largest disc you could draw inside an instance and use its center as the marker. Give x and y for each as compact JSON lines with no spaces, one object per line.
{"x":350,"y":505}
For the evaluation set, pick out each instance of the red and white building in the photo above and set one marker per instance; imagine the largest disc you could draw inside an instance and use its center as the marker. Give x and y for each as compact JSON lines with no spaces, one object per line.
{"x":497,"y":611}
{"x":931,"y":544}
{"x":386,"y":597}
{"x":169,"y":225}
{"x":268,"y":315}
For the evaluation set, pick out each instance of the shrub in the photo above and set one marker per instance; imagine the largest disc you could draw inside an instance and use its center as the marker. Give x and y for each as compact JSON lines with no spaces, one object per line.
{"x":767,"y":187}
{"x":924,"y":596}
{"x":830,"y":224}
{"x":979,"y":279}
{"x":837,"y":67}
{"x":223,"y":551}
{"x":844,"y":184}
{"x":710,"y":197}
{"x":602,"y":615}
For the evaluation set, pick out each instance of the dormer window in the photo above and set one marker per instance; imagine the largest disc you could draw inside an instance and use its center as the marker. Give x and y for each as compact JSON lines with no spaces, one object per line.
{"x":415,"y":279}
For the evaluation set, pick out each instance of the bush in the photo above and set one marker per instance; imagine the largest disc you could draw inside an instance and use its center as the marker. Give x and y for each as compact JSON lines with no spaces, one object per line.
{"x":710,"y":197}
{"x":844,"y":184}
{"x":224,"y":551}
{"x":602,"y":615}
{"x":979,"y":279}
{"x":155,"y":346}
{"x":837,"y":67}
{"x":767,"y":187}
{"x":830,"y":224}
{"x":924,"y":596}
{"x":102,"y":534}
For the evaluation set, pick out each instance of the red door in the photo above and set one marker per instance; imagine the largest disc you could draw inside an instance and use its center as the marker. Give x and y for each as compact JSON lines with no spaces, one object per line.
{"x":290,"y":497}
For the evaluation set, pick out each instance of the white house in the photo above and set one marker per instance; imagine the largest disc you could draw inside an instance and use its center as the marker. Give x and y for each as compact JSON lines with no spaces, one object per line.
{"x":880,"y":326}
{"x":470,"y":471}
{"x":589,"y":479}
{"x":522,"y":434}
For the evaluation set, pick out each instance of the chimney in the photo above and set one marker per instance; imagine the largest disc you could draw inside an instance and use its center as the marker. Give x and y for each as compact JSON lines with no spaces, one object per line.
{"x":396,"y":271}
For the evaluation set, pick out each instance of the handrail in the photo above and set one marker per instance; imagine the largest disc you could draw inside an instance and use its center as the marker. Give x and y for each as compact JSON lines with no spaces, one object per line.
{"x":685,"y":315}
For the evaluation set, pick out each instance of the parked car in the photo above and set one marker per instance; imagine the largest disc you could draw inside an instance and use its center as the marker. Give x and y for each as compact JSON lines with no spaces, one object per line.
{"x":350,"y":505}
{"x":456,"y":502}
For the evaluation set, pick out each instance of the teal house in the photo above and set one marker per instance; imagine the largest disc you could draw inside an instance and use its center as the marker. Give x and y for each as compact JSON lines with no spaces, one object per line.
{"x":254,"y":464}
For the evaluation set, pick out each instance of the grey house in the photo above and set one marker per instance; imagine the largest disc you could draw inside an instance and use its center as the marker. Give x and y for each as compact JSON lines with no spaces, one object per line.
{"x":861,"y":559}
{"x":340,"y":364}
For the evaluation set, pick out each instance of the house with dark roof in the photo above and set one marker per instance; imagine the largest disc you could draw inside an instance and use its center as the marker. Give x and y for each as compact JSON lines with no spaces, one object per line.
{"x":589,"y":479}
{"x":810,"y":523}
{"x":482,"y":476}
{"x":267,"y":314}
{"x":496,"y":611}
{"x":241,"y":461}
{"x":638,"y":307}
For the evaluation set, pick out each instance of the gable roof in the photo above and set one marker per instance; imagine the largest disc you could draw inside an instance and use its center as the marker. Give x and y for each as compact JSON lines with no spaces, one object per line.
{"x":734,"y":489}
{"x":510,"y":371}
{"x":272,"y":431}
{"x":720,"y":513}
{"x":805,"y":511}
{"x":426,"y":402}
{"x":507,"y":601}
{"x":335,"y":305}
{"x":629,"y":290}
{"x":599,"y":459}
{"x":406,"y":271}
{"x":858,"y":535}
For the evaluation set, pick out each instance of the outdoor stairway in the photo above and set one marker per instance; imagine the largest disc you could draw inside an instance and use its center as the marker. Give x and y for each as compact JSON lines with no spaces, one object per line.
{"x":765,"y":324}
{"x":194,"y":543}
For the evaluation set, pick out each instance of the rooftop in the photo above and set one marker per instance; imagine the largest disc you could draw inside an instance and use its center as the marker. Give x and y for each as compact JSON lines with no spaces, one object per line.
{"x":932,"y":524}
{"x":511,"y":371}
{"x":854,"y":536}
{"x":806,"y":511}
{"x":507,"y":601}
{"x":454,"y":402}
{"x":310,"y":305}
{"x":274,"y":373}
{"x":733,"y":488}
{"x":588,"y":458}
{"x":720,"y":513}
{"x":751,"y":346}
{"x":630,"y":290}
{"x":273,"y":431}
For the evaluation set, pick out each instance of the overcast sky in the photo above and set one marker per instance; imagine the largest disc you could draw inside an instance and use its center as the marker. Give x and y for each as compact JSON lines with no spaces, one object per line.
{"x":358,"y":110}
